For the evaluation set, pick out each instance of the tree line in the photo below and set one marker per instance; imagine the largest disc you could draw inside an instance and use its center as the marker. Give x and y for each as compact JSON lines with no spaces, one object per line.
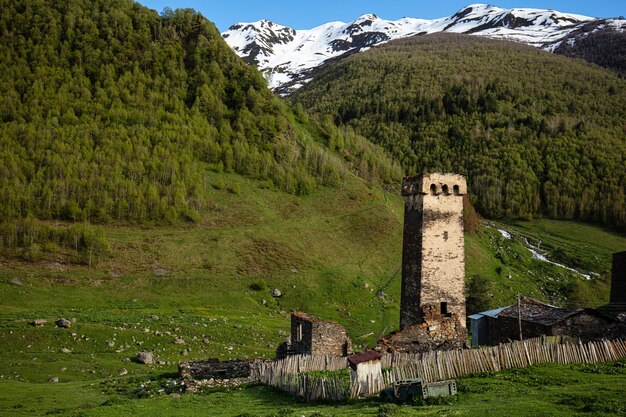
{"x":535,"y":133}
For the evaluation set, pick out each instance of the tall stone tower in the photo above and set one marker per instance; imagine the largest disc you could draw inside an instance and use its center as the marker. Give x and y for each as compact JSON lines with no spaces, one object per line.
{"x":433,"y":264}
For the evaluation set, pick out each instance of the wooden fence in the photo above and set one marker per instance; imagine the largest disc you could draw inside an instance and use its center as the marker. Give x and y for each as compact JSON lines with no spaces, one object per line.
{"x":289,"y":374}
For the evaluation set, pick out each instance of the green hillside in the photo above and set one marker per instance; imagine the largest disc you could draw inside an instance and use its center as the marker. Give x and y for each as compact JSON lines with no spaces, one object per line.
{"x":111,"y":112}
{"x":535,"y":133}
{"x":152,"y":188}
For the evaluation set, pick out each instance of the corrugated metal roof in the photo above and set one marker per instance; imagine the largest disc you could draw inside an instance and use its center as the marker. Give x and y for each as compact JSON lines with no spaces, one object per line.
{"x":491,"y":313}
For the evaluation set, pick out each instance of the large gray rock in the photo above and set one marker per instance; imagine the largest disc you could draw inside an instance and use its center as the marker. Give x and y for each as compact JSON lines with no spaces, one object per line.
{"x":277,"y":293}
{"x":145,"y":358}
{"x":65,"y":323}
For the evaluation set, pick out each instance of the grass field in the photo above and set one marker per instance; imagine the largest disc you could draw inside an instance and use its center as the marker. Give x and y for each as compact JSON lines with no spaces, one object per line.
{"x":210,"y":284}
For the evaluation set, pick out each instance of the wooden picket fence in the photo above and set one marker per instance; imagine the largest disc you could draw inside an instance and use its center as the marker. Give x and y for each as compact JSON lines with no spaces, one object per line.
{"x":290,"y":374}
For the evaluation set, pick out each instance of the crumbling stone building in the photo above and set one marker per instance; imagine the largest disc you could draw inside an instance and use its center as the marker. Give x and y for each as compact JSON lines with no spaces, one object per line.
{"x":539,"y":319}
{"x":311,"y":336}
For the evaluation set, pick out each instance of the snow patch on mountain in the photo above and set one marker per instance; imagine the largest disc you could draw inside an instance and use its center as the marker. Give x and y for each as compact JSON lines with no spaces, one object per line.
{"x":287,"y":56}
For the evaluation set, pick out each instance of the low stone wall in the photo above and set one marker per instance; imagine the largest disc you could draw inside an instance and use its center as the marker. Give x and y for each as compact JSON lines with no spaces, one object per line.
{"x":192,"y":385}
{"x":215,"y":369}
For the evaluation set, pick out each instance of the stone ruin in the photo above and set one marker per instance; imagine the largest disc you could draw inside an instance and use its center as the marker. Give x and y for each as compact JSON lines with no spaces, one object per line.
{"x":215,"y":373}
{"x":311,"y":336}
{"x":432,"y":312}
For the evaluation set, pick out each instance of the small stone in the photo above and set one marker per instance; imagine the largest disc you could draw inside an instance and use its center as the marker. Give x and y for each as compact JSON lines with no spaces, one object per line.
{"x":277,"y":293}
{"x":178,"y":341}
{"x":372,"y":321}
{"x":64,"y":323}
{"x":66,"y":350}
{"x":39,"y":322}
{"x":380,"y":294}
{"x":122,"y":372}
{"x":110,"y":343}
{"x":295,"y":270}
{"x":159,"y":272}
{"x":366,"y":285}
{"x":185,"y":352}
{"x":63,"y":369}
{"x":206,"y":340}
{"x":146,"y":330}
{"x":54,"y":379}
{"x":17,"y":281}
{"x":264,"y":301}
{"x":145,"y":358}
{"x":154,"y":317}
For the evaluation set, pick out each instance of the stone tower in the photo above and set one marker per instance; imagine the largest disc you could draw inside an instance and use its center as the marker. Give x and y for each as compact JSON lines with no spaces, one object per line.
{"x":433,"y":264}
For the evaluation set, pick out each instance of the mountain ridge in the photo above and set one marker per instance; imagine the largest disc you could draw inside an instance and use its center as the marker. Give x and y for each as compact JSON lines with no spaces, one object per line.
{"x":287,"y":56}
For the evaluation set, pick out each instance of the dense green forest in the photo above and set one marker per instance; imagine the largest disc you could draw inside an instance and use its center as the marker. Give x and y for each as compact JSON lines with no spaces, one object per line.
{"x":112,"y":112}
{"x":535,"y":133}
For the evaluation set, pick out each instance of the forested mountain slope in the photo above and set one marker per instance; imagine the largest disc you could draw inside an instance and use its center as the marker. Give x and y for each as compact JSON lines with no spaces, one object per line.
{"x":112,"y":112}
{"x":536,"y":134}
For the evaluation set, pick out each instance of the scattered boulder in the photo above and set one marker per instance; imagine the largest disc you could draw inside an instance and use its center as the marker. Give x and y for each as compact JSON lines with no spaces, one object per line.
{"x":39,"y":322}
{"x":54,"y":379}
{"x":154,"y":317}
{"x":64,"y":323}
{"x":276,"y":293}
{"x":295,"y":270}
{"x":380,"y":294}
{"x":110,"y":343}
{"x":122,"y":372}
{"x":160,"y":272}
{"x":17,"y":281}
{"x":145,"y":358}
{"x":115,"y":274}
{"x":178,"y":341}
{"x":264,"y":301}
{"x":65,"y":350}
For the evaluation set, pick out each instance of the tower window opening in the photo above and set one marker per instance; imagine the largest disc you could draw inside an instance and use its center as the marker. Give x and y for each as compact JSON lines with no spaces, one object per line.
{"x":456,"y":190}
{"x":433,"y":189}
{"x":444,"y":308}
{"x":445,"y":190}
{"x":299,"y":332}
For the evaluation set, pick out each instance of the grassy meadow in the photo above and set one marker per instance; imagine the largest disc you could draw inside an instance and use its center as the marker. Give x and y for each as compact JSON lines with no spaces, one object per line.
{"x":210,"y":285}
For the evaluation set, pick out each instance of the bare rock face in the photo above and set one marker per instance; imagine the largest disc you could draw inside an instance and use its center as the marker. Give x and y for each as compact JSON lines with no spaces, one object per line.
{"x":276,"y":293}
{"x":145,"y":358}
{"x":64,"y":323}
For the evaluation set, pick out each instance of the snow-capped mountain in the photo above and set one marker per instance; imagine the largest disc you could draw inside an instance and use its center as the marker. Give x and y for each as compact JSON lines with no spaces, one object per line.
{"x":287,"y":56}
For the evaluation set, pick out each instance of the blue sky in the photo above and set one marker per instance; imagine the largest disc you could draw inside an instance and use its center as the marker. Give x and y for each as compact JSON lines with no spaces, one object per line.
{"x":306,"y":14}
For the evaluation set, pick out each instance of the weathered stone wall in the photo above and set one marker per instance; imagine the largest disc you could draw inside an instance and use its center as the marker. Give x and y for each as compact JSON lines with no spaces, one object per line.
{"x":301,"y":335}
{"x":506,"y":329}
{"x":584,"y":325}
{"x":310,"y":336}
{"x":330,"y":338}
{"x":215,"y":369}
{"x":618,"y":280}
{"x":433,"y":264}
